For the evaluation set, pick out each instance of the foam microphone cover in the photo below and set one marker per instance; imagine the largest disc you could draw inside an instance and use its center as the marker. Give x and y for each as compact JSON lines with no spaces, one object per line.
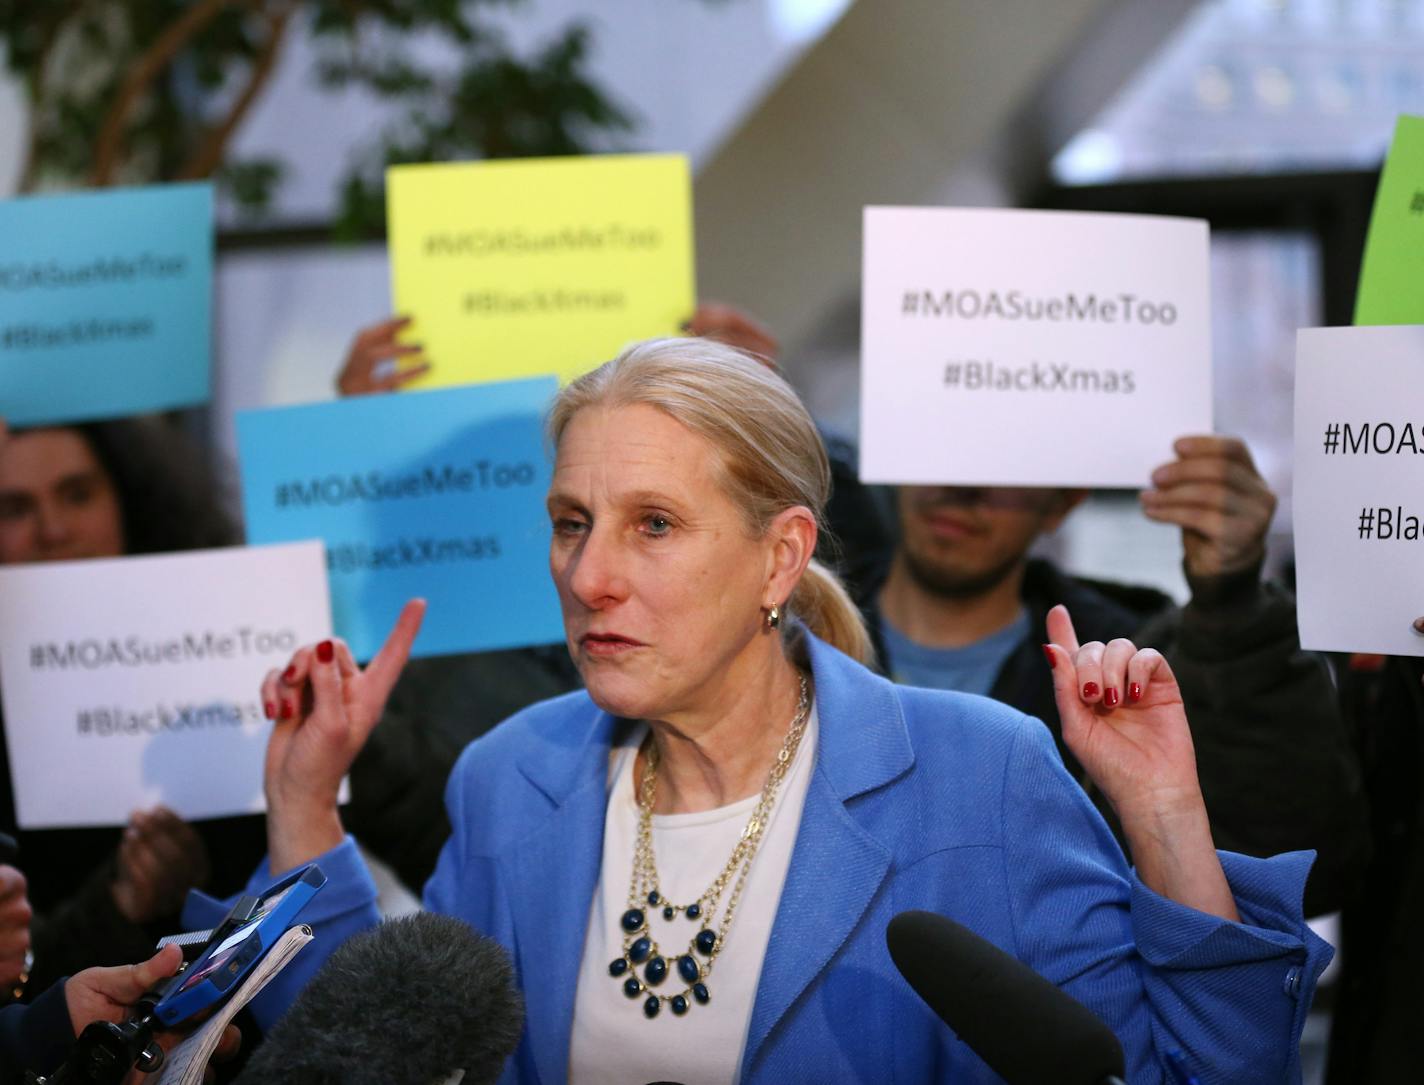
{"x":1022,"y":1026}
{"x":408,"y":1003}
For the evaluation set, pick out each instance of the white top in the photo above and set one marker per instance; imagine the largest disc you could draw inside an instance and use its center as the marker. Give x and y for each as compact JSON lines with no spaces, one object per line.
{"x":613,"y":1043}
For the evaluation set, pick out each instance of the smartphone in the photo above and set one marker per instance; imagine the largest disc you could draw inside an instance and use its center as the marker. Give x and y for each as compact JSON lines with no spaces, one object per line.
{"x":237,"y":944}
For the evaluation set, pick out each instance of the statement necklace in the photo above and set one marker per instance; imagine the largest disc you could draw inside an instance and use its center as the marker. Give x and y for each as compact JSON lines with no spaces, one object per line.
{"x":640,"y":949}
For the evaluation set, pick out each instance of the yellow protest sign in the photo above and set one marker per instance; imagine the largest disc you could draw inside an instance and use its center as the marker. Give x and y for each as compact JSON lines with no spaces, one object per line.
{"x":521,"y":267}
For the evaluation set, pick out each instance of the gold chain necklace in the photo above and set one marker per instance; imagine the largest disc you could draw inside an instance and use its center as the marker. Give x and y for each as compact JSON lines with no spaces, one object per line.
{"x":639,"y":946}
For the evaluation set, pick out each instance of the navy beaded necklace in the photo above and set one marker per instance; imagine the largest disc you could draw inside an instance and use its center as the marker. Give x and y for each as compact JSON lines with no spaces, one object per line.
{"x":640,"y":949}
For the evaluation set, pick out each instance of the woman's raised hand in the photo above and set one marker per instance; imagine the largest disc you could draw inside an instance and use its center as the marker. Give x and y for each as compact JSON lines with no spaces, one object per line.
{"x":325,"y":706}
{"x":1123,"y":718}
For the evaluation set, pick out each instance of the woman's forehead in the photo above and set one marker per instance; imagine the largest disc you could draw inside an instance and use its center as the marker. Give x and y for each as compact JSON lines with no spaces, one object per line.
{"x":631,"y":451}
{"x":42,"y":457}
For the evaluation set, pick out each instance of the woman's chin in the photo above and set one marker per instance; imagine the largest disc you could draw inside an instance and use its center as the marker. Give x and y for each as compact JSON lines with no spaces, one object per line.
{"x":618,"y":696}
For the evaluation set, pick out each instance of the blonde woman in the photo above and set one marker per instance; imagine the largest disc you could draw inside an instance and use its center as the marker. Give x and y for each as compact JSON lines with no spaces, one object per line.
{"x":693,"y":862}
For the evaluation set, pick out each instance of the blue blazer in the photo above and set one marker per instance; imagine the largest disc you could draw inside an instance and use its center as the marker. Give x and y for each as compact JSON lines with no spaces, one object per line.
{"x":919,"y":799}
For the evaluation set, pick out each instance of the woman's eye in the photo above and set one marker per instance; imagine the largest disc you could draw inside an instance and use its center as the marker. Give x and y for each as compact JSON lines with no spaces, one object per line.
{"x":78,"y":493}
{"x":657,"y":525}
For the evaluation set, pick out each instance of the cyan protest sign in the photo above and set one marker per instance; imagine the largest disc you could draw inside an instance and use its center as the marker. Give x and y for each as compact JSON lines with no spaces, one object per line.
{"x":105,"y":303}
{"x":438,"y":494}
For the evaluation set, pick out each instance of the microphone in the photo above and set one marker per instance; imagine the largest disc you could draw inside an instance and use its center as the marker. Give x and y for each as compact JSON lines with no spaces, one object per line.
{"x":415,"y":1001}
{"x":1023,"y":1027}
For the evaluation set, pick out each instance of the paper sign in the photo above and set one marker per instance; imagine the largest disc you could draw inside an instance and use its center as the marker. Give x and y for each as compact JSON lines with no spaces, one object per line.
{"x":1030,"y":348}
{"x":105,"y":303}
{"x":134,"y":681}
{"x":436,"y":494}
{"x":1359,"y":489}
{"x":518,"y":268}
{"x":1393,"y":268}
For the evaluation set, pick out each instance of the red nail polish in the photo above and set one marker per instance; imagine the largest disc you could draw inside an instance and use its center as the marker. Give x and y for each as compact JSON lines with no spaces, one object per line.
{"x":1110,"y":698}
{"x":1134,"y":691}
{"x":1048,"y":654}
{"x":1090,"y":689}
{"x":287,"y":711}
{"x":289,"y":673}
{"x":324,"y":652}
{"x":270,"y":710}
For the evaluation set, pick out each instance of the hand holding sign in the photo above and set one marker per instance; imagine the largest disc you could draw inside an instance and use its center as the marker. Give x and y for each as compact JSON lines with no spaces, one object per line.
{"x":326,"y":706}
{"x":1214,"y":493}
{"x":160,"y":859}
{"x":374,"y":362}
{"x":728,"y":324}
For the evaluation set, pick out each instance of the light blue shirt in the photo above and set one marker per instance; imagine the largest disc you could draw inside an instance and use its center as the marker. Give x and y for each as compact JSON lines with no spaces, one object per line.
{"x":970,"y":669}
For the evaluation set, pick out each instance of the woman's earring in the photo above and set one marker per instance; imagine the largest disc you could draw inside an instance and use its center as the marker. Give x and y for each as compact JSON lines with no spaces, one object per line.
{"x":773,"y":616}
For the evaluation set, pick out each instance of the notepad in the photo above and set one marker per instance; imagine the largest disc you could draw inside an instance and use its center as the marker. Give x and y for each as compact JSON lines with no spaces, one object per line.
{"x":186,"y":1062}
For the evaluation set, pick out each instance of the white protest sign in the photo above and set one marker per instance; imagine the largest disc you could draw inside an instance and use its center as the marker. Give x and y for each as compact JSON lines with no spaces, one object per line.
{"x":135,"y":681}
{"x":1030,"y":348}
{"x":1359,"y":488}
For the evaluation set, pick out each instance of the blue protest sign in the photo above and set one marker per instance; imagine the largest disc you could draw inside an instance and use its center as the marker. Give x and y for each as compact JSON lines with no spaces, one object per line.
{"x":438,"y":494}
{"x":105,"y":303}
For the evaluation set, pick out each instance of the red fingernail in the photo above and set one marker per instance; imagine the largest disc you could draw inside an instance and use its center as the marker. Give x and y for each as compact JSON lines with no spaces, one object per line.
{"x":1110,"y":698}
{"x":286,"y":710}
{"x":324,"y":652}
{"x":1134,"y":691}
{"x":1048,"y":654}
{"x":270,"y":710}
{"x":1090,"y":689}
{"x":289,"y":673}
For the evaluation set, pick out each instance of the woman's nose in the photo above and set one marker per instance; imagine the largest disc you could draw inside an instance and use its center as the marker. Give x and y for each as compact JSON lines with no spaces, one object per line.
{"x":597,"y":578}
{"x":54,"y":527}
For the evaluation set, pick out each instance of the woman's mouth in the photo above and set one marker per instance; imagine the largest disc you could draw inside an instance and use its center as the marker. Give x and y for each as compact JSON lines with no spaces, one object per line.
{"x":608,"y":644}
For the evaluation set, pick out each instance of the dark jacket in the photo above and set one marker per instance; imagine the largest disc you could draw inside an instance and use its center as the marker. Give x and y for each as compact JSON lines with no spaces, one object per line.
{"x":1379,"y":997}
{"x":1274,"y":758}
{"x":35,"y":1037}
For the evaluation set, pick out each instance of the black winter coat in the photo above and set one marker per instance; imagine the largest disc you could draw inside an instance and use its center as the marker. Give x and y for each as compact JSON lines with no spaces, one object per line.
{"x":1380,"y":1000}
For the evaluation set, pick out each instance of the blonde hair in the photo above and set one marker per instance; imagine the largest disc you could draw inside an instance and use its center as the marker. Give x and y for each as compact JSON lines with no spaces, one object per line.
{"x":772,"y":456}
